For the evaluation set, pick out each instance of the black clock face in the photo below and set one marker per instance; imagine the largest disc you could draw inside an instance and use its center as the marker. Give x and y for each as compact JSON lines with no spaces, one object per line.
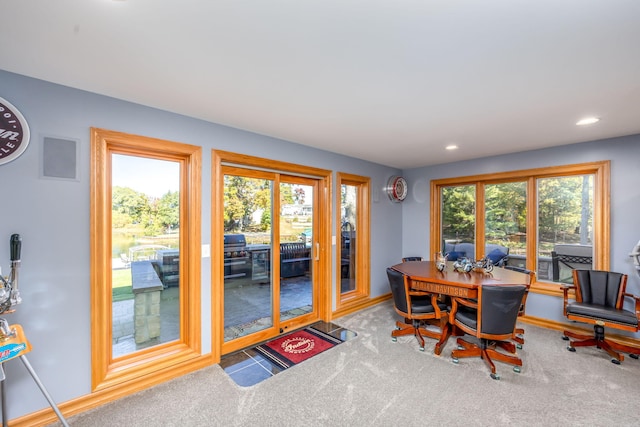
{"x":14,"y":132}
{"x":397,"y":188}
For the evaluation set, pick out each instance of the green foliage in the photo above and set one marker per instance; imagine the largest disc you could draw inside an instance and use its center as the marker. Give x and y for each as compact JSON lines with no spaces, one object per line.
{"x":157,"y":216}
{"x":458,"y":213}
{"x":565,"y":208}
{"x":130,"y":203}
{"x":286,"y":195}
{"x":265,"y":221}
{"x":564,"y":214}
{"x":505,"y":208}
{"x":242,"y":197}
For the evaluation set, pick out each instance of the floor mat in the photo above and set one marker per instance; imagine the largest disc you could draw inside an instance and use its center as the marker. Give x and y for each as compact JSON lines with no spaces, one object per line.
{"x":252,"y":365}
{"x":297,"y":346}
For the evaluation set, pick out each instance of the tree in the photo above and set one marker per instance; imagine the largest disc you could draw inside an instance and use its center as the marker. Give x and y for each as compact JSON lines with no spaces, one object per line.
{"x":506,"y":210}
{"x":242,"y":197}
{"x":458,"y":213}
{"x":129,"y":202}
{"x":169,"y":210}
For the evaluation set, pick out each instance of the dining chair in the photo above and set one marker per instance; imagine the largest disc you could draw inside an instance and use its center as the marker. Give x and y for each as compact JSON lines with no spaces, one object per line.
{"x":418,"y":309}
{"x":411,"y":258}
{"x":491,"y":319}
{"x":599,"y":301}
{"x":519,"y":332}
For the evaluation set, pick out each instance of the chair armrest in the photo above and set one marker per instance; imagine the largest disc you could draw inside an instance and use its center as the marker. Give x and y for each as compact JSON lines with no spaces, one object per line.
{"x":455,"y":302}
{"x":637,"y":302}
{"x":434,"y":300}
{"x":565,"y":291}
{"x":471,"y":303}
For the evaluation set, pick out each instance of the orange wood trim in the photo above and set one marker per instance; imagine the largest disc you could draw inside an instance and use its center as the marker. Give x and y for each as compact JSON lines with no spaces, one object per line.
{"x":227,"y":162}
{"x":107,"y":372}
{"x":601,"y":214}
{"x":362,"y":262}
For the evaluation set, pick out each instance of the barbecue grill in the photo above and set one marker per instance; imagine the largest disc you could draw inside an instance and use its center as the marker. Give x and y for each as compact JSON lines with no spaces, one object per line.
{"x":237,"y":263}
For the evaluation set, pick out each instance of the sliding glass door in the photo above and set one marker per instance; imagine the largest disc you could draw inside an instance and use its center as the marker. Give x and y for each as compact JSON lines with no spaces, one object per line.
{"x":297,"y":247}
{"x":269,"y":248}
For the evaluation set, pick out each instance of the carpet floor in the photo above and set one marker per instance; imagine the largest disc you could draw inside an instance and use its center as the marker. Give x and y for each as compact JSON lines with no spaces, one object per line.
{"x":372,"y":381}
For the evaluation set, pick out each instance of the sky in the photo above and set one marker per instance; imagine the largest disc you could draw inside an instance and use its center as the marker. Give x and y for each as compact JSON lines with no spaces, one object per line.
{"x":149,"y":176}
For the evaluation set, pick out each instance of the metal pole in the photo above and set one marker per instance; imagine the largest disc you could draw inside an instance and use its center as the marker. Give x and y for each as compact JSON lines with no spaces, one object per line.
{"x":5,"y":422}
{"x":43,"y":389}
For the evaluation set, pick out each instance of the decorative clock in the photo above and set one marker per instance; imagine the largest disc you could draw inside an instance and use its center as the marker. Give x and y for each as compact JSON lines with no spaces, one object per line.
{"x":14,"y":132}
{"x":397,"y":188}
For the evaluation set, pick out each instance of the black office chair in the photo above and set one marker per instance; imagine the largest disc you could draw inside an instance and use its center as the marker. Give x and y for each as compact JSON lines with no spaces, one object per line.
{"x":519,"y":332}
{"x":492,"y":320}
{"x":599,"y":301}
{"x":412,"y":258}
{"x":417,"y":308}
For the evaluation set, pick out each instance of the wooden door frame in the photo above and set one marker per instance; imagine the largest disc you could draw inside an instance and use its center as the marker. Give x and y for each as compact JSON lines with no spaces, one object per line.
{"x":220,"y":158}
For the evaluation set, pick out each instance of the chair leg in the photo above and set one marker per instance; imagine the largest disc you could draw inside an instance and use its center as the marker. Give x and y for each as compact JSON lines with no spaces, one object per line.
{"x":574,"y":335}
{"x":468,"y":350}
{"x":614,"y":349}
{"x":618,"y":348}
{"x":504,"y":358}
{"x":488,"y":352}
{"x":416,"y":328}
{"x":518,"y":338}
{"x":402,"y":329}
{"x":418,"y":333}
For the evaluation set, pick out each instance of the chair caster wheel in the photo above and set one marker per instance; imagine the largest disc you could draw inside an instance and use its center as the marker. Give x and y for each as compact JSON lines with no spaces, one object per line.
{"x":495,"y":376}
{"x":566,"y":338}
{"x":615,"y":361}
{"x":421,"y":348}
{"x":571,"y":349}
{"x":519,"y":346}
{"x":455,"y":360}
{"x":633,"y":356}
{"x":516,"y":369}
{"x":394,"y":339}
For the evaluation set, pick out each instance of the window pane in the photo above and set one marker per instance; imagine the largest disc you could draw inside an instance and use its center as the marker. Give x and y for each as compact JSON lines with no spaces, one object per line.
{"x":565,"y":226}
{"x":248,"y":283}
{"x":296,"y":249}
{"x":506,"y":222}
{"x":349,"y":206}
{"x":458,"y":221}
{"x":145,"y":221}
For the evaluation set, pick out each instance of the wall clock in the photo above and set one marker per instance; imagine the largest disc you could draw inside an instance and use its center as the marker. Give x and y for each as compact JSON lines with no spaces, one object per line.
{"x":14,"y":132}
{"x":397,"y":188}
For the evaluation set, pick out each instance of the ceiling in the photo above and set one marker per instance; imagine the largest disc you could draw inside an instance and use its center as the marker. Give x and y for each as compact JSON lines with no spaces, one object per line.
{"x":390,"y":81}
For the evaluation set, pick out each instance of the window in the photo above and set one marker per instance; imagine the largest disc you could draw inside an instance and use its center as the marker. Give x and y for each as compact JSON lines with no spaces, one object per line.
{"x":549,"y":220}
{"x":352,"y":252}
{"x":145,"y":259}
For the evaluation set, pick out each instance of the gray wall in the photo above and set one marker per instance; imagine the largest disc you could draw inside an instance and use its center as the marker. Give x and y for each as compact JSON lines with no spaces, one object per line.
{"x":52,"y":216}
{"x":624,"y":154}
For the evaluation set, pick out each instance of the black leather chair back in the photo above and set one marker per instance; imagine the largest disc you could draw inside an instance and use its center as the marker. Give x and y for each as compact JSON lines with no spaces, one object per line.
{"x":398,"y":290}
{"x":599,"y":287}
{"x":499,"y":308}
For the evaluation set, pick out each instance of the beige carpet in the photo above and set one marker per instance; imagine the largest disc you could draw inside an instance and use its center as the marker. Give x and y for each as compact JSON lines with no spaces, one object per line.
{"x":372,"y":381}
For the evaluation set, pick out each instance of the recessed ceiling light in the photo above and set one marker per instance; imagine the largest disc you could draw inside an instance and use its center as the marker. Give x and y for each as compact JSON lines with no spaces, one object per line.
{"x":587,"y":121}
{"x":451,"y":147}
